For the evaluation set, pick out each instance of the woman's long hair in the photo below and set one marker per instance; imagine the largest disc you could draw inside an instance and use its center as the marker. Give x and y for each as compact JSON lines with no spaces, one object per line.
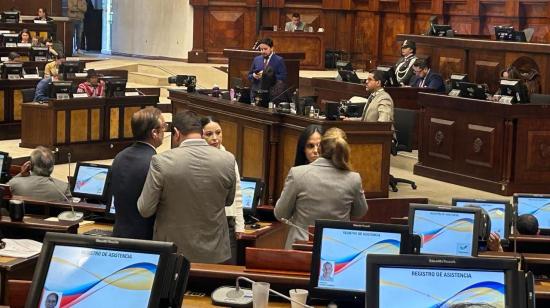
{"x":301,"y":158}
{"x":334,"y":147}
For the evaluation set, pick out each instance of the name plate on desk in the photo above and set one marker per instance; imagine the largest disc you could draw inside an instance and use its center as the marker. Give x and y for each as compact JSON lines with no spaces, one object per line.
{"x":4,"y":59}
{"x":14,"y":76}
{"x":41,"y":59}
{"x":24,"y":45}
{"x":72,"y":59}
{"x":454,"y":92}
{"x":131,"y":93}
{"x":504,"y":99}
{"x":11,"y":45}
{"x":80,"y":95}
{"x":62,"y":96}
{"x":43,"y":22}
{"x":81,"y":75}
{"x":31,"y":76}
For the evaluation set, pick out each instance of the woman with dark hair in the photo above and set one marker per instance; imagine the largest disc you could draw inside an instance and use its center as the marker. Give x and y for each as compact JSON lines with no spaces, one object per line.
{"x":25,"y":36}
{"x":324,"y":189}
{"x":42,"y":14}
{"x":307,"y":149}
{"x":212,"y":133}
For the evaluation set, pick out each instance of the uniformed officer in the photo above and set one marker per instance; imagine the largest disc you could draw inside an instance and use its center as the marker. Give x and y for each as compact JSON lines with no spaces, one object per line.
{"x":404,"y":66}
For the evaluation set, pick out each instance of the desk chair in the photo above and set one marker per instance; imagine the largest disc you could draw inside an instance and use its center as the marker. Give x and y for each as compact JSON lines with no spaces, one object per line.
{"x":404,"y":122}
{"x":28,"y":95}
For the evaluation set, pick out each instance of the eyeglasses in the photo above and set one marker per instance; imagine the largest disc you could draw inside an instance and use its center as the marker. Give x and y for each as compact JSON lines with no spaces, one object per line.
{"x":166,"y":126}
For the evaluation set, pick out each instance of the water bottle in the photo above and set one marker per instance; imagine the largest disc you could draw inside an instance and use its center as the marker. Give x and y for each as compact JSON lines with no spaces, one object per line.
{"x":216,"y":91}
{"x":232,"y":94}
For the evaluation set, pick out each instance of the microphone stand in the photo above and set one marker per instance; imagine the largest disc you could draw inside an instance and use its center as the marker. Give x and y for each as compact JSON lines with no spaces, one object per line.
{"x":290,"y":223}
{"x":72,"y":215}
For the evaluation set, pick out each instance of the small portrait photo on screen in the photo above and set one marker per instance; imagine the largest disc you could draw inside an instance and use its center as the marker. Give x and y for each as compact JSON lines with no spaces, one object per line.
{"x":327,"y":271}
{"x":51,"y":299}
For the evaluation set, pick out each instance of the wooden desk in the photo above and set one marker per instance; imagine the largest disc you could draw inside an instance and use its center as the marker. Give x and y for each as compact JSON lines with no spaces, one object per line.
{"x":42,"y":30}
{"x":241,"y":60}
{"x":89,"y":128}
{"x":15,"y":268}
{"x":312,"y":44}
{"x":482,"y":60}
{"x":80,"y":206}
{"x":264,"y":141}
{"x":493,"y":147}
{"x":270,"y":235}
{"x":31,"y":222}
{"x":11,"y":100}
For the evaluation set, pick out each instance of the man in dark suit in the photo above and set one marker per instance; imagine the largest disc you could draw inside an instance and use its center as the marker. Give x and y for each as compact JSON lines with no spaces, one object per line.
{"x":130,"y":169}
{"x":267,"y":61}
{"x":425,"y":77}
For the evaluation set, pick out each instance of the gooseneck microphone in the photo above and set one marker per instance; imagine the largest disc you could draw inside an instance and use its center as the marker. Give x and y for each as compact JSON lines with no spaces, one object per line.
{"x":276,"y":97}
{"x":290,"y":223}
{"x":71,"y":215}
{"x":238,"y":296}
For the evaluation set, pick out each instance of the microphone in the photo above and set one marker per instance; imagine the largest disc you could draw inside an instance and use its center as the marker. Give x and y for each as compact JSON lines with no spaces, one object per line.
{"x":290,"y":223}
{"x":276,"y":97}
{"x":241,"y":297}
{"x":71,"y":215}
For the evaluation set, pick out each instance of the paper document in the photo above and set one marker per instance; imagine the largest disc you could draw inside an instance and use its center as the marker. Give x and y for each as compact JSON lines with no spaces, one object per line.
{"x":20,"y":248}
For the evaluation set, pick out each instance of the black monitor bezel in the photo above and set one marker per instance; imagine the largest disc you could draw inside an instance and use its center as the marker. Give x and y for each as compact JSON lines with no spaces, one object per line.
{"x":509,"y":31}
{"x":443,"y":208}
{"x":55,"y":85}
{"x":4,"y":168}
{"x":349,"y":76}
{"x":389,"y":72}
{"x":111,"y":82}
{"x":508,"y":212}
{"x":455,"y":82}
{"x":37,"y":50}
{"x":375,"y":262}
{"x":437,"y":29}
{"x":51,"y":240}
{"x":71,"y":64}
{"x":258,"y":191}
{"x":320,"y":224}
{"x":106,"y":193}
{"x":17,"y":66}
{"x":543,"y":231}
{"x":12,"y":13}
{"x":463,"y":85}
{"x":518,"y":88}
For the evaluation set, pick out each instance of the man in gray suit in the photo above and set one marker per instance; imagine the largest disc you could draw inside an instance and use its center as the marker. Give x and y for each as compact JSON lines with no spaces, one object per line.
{"x":35,"y":181}
{"x":379,"y":107}
{"x":188,"y":187}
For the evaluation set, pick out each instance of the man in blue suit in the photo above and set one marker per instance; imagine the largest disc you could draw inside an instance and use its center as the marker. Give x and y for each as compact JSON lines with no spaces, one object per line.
{"x":268,"y":61}
{"x":130,"y":169}
{"x":425,"y":77}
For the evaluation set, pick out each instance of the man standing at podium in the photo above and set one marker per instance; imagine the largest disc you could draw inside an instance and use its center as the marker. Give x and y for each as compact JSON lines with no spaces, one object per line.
{"x":379,"y":107}
{"x":267,"y":61}
{"x":403,"y":67}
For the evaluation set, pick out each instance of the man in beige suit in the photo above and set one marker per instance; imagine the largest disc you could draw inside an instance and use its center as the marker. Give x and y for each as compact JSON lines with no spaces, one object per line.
{"x":188,"y":188}
{"x":379,"y":107}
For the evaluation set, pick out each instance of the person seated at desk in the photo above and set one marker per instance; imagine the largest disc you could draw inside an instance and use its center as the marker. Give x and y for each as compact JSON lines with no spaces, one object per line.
{"x":42,"y":15}
{"x":213,"y":134}
{"x":267,"y":59}
{"x":379,"y":107}
{"x":528,"y":224}
{"x":52,"y":67}
{"x":93,"y":87}
{"x":35,"y":181}
{"x":42,"y":92}
{"x":308,"y":195}
{"x":25,"y":37}
{"x":295,"y":24}
{"x":425,"y":77}
{"x":307,"y":149}
{"x":403,"y":67}
{"x":129,"y":171}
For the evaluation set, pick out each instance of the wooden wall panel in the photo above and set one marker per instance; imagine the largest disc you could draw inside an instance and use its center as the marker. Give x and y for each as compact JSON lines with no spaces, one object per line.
{"x":60,"y":130}
{"x":3,"y":105}
{"x":226,"y":29}
{"x":253,"y":153}
{"x":394,"y":24}
{"x":79,"y":125}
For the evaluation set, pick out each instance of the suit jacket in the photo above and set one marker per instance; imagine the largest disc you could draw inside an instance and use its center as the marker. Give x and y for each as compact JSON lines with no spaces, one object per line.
{"x":188,"y":188}
{"x":432,"y":80}
{"x":380,"y":109}
{"x":276,"y":62}
{"x":129,"y":171}
{"x":42,"y":92}
{"x":308,"y":195}
{"x":404,"y":70}
{"x":39,"y":187}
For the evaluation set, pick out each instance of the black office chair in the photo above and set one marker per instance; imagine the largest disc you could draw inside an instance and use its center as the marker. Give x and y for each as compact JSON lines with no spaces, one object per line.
{"x":405,"y":129}
{"x":28,"y":95}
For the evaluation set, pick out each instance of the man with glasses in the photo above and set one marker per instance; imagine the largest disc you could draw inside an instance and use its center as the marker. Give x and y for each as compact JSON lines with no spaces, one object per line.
{"x":425,"y":77}
{"x":379,"y":107}
{"x":130,"y":169}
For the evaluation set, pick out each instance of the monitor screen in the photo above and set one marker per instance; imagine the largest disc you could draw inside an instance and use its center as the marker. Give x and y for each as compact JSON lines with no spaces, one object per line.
{"x":499,"y":212}
{"x":472,"y":90}
{"x":344,"y":256}
{"x":445,"y":230}
{"x":115,"y":87}
{"x":536,"y":205}
{"x":93,"y":277}
{"x":251,"y":190}
{"x":2,"y":159}
{"x":440,"y":287}
{"x":515,"y":89}
{"x":91,"y":180}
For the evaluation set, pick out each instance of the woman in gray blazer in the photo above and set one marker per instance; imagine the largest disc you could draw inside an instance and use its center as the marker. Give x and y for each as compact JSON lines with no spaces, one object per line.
{"x":324,"y":189}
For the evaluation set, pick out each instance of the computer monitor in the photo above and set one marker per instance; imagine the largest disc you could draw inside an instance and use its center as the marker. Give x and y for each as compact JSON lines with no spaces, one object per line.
{"x":349,"y":76}
{"x":87,"y":271}
{"x":438,"y":281}
{"x":389,"y":72}
{"x":500,"y":212}
{"x":5,"y":163}
{"x":12,"y":70}
{"x":115,"y":87}
{"x":243,"y":95}
{"x":10,"y":39}
{"x":537,"y":205}
{"x":472,"y":90}
{"x":508,"y":33}
{"x":10,"y":17}
{"x":61,"y":89}
{"x":513,"y":91}
{"x":455,"y":83}
{"x":39,"y":54}
{"x":251,"y":190}
{"x":340,"y":251}
{"x":441,"y":30}
{"x":344,"y":65}
{"x":68,"y":69}
{"x":91,"y":181}
{"x":445,"y":230}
